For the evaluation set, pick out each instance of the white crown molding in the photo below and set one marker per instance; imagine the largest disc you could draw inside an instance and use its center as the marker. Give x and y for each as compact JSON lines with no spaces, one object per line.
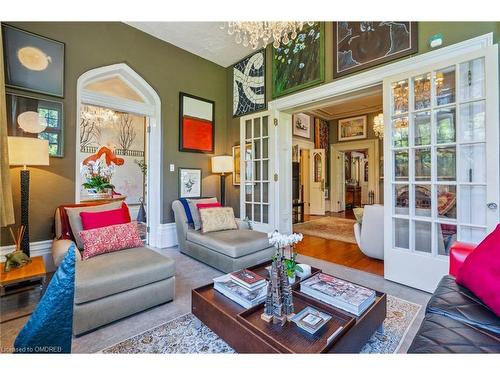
{"x":373,"y":77}
{"x":38,"y":248}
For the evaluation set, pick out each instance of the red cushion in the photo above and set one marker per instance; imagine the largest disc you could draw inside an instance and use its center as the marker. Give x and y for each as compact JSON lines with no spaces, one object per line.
{"x":480,"y":272}
{"x":93,"y":220}
{"x":110,"y":238}
{"x":201,"y":206}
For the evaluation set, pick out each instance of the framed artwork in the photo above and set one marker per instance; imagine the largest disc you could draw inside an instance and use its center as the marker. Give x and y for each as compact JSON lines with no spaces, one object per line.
{"x":236,"y":162}
{"x":301,"y":63}
{"x":189,"y":183}
{"x":302,"y":125}
{"x":196,"y":124}
{"x":295,"y":153}
{"x":249,"y":84}
{"x":36,"y":118}
{"x":361,"y":45}
{"x":352,"y":128}
{"x":33,"y":62}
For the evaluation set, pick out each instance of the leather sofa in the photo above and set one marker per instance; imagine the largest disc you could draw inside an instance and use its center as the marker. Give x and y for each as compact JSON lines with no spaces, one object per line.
{"x":228,"y":250}
{"x":115,"y":285}
{"x":456,"y":321}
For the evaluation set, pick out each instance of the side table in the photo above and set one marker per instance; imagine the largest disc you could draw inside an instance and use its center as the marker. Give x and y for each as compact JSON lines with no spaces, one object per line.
{"x":33,"y":271}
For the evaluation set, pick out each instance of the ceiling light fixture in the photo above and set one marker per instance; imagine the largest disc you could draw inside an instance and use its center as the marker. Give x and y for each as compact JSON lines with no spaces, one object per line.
{"x":263,"y":32}
{"x":378,"y":125}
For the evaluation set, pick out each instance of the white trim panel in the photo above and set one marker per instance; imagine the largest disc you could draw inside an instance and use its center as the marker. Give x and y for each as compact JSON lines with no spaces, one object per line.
{"x":167,"y":236}
{"x":38,"y":248}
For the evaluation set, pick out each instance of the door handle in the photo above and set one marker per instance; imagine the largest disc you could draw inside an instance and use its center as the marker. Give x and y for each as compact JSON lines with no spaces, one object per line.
{"x":492,"y":205}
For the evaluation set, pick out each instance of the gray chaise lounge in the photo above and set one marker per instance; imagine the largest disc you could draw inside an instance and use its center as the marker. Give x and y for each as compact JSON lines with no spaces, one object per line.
{"x":112,"y":286}
{"x":227,"y":250}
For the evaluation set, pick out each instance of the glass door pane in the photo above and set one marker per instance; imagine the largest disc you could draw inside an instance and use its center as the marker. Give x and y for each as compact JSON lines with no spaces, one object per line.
{"x":446,"y":127}
{"x":255,"y":195}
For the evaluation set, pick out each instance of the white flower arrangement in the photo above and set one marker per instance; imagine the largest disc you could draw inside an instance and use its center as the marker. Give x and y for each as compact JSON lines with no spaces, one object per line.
{"x":284,"y":240}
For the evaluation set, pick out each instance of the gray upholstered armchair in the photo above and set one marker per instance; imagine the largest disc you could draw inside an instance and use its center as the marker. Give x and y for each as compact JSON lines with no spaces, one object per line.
{"x":227,"y":250}
{"x":112,"y":286}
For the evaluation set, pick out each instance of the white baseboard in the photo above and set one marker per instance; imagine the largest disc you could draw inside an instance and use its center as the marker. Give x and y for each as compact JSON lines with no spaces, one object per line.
{"x":38,"y":248}
{"x":167,"y":235}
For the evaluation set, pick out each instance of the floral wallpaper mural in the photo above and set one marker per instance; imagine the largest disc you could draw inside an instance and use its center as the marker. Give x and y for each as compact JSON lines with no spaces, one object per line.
{"x":300,"y":63}
{"x":116,"y":139}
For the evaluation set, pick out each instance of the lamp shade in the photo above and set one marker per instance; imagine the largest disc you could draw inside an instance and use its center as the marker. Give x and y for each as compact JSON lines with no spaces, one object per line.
{"x":28,"y":151}
{"x":222,"y":164}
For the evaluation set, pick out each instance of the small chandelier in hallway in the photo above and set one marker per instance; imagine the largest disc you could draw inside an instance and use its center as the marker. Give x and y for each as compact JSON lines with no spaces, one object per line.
{"x":378,"y":125}
{"x":262,"y":32}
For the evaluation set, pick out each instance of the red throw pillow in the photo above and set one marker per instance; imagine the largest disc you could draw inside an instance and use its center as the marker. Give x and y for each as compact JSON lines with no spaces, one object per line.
{"x":108,"y":239}
{"x":93,"y":220}
{"x":201,"y":206}
{"x":480,"y":272}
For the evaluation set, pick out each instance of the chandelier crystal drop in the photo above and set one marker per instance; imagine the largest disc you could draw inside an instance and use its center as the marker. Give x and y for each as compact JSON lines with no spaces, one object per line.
{"x":263,"y":32}
{"x":378,"y":125}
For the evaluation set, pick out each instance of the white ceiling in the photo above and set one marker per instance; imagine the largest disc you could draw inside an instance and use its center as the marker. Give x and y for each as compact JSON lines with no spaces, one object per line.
{"x":205,"y":39}
{"x":351,"y":105}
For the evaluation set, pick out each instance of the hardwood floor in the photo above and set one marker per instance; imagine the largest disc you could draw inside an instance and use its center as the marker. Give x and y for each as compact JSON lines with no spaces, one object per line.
{"x":344,"y":214}
{"x":343,"y":253}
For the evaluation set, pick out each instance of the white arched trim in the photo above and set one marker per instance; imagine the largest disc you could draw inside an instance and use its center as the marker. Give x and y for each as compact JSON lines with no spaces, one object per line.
{"x":150,"y":107}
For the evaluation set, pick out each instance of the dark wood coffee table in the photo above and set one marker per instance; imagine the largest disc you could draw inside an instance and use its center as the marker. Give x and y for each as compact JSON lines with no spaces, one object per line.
{"x":245,"y":332}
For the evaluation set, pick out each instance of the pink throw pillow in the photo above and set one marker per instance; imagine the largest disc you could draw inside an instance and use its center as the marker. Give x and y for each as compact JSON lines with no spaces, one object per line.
{"x":201,"y":206}
{"x":93,"y":220}
{"x":108,"y":239}
{"x":480,"y":272}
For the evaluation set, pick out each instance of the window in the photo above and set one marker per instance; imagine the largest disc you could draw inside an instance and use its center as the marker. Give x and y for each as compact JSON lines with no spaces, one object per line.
{"x":53,"y":132}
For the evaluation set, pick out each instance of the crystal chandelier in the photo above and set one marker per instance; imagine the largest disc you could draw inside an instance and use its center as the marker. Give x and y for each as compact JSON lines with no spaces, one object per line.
{"x":378,"y":125}
{"x":262,"y":32}
{"x":98,"y":114}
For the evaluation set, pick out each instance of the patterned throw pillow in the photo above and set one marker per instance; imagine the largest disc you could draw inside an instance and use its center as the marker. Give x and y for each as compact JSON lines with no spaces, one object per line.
{"x":108,"y":239}
{"x":358,"y":214}
{"x":217,"y":218}
{"x":195,"y":212}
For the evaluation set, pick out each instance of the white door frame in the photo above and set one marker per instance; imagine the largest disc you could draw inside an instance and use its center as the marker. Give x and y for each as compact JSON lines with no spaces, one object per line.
{"x":314,"y":185}
{"x":151,"y":108}
{"x":318,"y":96}
{"x":373,"y":163}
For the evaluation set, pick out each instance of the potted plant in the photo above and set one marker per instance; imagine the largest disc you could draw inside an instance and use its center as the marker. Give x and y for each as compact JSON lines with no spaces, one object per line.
{"x":291,"y":267}
{"x":98,"y":178}
{"x":283,"y":242}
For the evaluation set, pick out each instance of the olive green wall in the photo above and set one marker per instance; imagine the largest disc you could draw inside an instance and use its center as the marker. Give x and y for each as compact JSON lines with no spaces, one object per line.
{"x":453,"y":32}
{"x":168,"y":70}
{"x":334,"y":138}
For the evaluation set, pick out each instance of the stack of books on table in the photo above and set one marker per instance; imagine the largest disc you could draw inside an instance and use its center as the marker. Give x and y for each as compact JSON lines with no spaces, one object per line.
{"x":339,"y":293}
{"x":244,"y":287}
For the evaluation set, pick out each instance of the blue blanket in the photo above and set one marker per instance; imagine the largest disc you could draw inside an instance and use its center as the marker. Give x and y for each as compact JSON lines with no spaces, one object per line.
{"x":50,"y":327}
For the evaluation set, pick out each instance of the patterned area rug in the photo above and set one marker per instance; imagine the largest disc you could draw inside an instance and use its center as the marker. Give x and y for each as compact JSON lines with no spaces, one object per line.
{"x":331,"y":228}
{"x":186,"y":334}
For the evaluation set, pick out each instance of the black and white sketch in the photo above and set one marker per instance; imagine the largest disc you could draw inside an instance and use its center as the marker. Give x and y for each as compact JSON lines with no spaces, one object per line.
{"x":189,"y":183}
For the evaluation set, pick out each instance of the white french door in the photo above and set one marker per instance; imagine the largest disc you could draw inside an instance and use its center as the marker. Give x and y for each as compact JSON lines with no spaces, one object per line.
{"x":257,"y":133}
{"x":441,"y":164}
{"x":317,"y":169}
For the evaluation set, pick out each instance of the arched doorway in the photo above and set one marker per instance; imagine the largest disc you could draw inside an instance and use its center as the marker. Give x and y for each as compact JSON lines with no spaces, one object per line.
{"x":119,"y":89}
